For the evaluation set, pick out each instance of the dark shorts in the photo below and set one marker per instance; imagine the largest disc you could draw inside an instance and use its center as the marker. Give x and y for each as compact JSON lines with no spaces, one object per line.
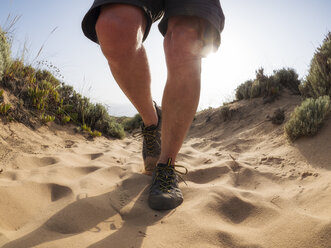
{"x":210,"y":10}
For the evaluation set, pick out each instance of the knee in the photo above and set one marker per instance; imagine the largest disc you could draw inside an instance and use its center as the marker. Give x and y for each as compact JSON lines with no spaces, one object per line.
{"x":120,"y":32}
{"x":183,"y":40}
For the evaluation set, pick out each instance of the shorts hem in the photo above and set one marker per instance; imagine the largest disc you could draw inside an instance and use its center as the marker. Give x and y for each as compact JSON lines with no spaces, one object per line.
{"x":91,"y":17}
{"x":216,"y":22}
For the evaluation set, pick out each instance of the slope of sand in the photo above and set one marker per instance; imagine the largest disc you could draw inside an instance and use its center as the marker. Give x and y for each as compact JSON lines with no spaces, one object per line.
{"x":247,"y":187}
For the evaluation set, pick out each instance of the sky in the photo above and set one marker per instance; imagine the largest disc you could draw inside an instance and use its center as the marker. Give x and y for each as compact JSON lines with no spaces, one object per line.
{"x":257,"y":33}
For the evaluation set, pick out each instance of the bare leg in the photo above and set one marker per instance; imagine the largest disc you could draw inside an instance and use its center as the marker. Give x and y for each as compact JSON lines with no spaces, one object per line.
{"x":181,"y":95}
{"x":120,"y":30}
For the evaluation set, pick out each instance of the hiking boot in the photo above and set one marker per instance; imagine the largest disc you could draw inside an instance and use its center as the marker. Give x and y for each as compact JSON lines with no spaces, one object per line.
{"x":151,"y":143}
{"x":164,"y":193}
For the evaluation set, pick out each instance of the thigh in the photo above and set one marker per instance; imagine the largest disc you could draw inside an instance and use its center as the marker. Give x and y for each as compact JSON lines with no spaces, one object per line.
{"x":153,"y":10}
{"x":209,"y":11}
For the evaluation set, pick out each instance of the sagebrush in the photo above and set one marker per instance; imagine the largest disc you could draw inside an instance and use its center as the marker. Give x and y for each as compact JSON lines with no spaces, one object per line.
{"x":318,"y":81}
{"x":133,"y":123}
{"x":269,"y":87}
{"x":4,"y":52}
{"x":49,"y":99}
{"x":308,"y":118}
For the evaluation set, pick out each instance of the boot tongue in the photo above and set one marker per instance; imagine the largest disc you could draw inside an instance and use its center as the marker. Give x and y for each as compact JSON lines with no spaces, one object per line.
{"x":165,"y":170}
{"x":165,"y":165}
{"x":150,"y":128}
{"x":162,"y":165}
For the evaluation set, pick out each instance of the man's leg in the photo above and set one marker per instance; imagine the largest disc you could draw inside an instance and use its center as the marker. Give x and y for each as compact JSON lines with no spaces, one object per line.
{"x":183,"y":49}
{"x":120,"y":29}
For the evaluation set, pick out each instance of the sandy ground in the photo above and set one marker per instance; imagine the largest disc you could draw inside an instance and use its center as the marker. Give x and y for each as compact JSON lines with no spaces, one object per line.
{"x":247,"y":187}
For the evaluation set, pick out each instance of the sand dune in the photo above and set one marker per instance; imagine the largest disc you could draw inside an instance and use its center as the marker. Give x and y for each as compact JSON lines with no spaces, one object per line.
{"x":247,"y":187}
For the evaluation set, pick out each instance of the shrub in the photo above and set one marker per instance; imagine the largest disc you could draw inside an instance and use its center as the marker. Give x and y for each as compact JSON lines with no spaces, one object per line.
{"x":49,"y":98}
{"x":225,"y":113}
{"x":318,"y":81}
{"x":133,"y":123}
{"x":42,"y":91}
{"x":47,"y":118}
{"x":4,"y":108}
{"x":261,"y":86}
{"x":4,"y":52}
{"x":97,"y":117}
{"x":288,"y":78}
{"x":114,"y":129}
{"x":95,"y":133}
{"x":269,"y":87}
{"x":278,"y":117}
{"x":244,"y":90}
{"x":308,"y":118}
{"x":87,"y":129}
{"x":65,"y":119}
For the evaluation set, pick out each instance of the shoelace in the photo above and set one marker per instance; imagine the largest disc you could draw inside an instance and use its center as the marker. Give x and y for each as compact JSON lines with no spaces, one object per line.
{"x":167,"y":174}
{"x":150,"y":138}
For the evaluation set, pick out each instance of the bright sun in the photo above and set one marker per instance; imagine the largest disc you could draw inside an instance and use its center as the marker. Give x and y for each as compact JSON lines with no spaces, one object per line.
{"x":218,"y":77}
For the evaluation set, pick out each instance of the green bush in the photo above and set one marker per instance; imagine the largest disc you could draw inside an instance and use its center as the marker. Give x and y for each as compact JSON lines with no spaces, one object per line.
{"x":65,"y":119}
{"x":244,"y":90}
{"x":287,"y":78}
{"x":318,"y":81}
{"x":82,"y":111}
{"x":49,"y":98}
{"x":269,"y":87}
{"x":308,"y":118}
{"x":261,"y":86}
{"x":278,"y":117}
{"x":252,"y":88}
{"x":41,"y":91}
{"x":4,"y":108}
{"x":226,"y":113}
{"x":47,"y":118}
{"x":114,"y":129}
{"x":4,"y":53}
{"x":133,"y":123}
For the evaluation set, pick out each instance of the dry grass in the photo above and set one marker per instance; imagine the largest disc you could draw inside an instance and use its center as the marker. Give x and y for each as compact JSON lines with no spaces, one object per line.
{"x":48,"y":99}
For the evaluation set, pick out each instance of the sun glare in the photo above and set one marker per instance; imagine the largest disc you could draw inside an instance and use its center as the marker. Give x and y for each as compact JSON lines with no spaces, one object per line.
{"x":215,"y":80}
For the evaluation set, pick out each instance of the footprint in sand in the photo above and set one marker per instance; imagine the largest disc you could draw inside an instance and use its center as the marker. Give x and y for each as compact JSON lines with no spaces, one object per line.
{"x":271,"y":160}
{"x":95,"y":156}
{"x":206,"y":175}
{"x":88,"y":169}
{"x":10,"y":175}
{"x":59,"y":191}
{"x":36,"y":161}
{"x":124,"y":198}
{"x":69,"y":144}
{"x":236,"y":209}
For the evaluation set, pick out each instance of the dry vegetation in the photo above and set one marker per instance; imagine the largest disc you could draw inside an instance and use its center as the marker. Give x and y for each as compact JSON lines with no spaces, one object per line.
{"x":307,"y":118}
{"x":42,"y":98}
{"x":269,"y":87}
{"x":318,"y":81}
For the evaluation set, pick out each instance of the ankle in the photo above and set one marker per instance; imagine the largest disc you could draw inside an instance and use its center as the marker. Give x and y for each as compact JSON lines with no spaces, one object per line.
{"x":151,"y":122}
{"x":165,"y":160}
{"x":153,"y":119}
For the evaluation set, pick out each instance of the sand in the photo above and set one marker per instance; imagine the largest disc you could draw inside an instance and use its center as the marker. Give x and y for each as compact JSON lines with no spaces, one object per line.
{"x":247,"y":186}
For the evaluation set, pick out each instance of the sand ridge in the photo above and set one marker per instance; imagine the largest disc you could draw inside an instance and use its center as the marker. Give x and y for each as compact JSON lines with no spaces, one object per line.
{"x":247,"y":187}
